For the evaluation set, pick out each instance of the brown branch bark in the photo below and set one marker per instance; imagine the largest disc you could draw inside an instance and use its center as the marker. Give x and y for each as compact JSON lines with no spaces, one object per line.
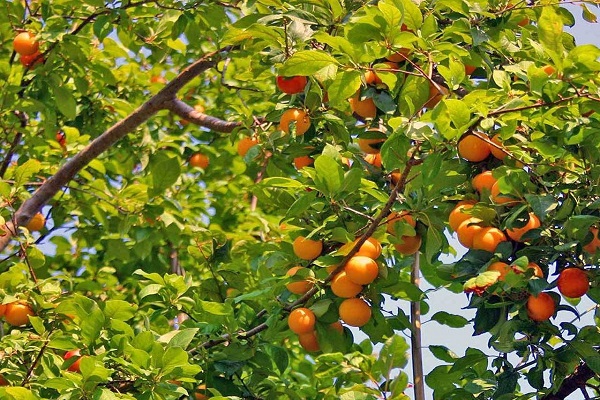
{"x":415,"y":336}
{"x":572,"y":383}
{"x":188,"y":113}
{"x":162,"y":100}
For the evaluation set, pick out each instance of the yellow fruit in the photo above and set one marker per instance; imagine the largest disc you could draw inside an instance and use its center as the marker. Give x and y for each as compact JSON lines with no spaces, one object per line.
{"x":467,"y":230}
{"x":483,"y":181}
{"x":309,"y":341}
{"x":363,"y":108}
{"x":457,"y":215}
{"x":25,"y":44}
{"x":488,"y":239}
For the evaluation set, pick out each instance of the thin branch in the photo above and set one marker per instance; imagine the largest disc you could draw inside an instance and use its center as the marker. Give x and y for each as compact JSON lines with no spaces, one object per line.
{"x":415,"y":337}
{"x":188,"y":113}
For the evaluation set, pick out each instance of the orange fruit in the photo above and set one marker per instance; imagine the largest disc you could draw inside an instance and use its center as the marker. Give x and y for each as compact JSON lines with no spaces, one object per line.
{"x":302,"y":320}
{"x":370,"y":146}
{"x":540,"y":307}
{"x":36,"y":223}
{"x":549,"y":70}
{"x":516,"y":233}
{"x":199,"y":160}
{"x":436,"y":94}
{"x":501,"y":267}
{"x":499,"y":198}
{"x":157,"y":79}
{"x":32,"y":59}
{"x":400,"y":56}
{"x":307,"y":249}
{"x":371,"y":78}
{"x":299,"y":287}
{"x":309,"y":342}
{"x":300,"y":117}
{"x":17,"y":313}
{"x":2,"y":310}
{"x":467,"y":230}
{"x":469,"y":69}
{"x":410,"y":245}
{"x":457,"y":215}
{"x":592,"y":246}
{"x":373,"y":159}
{"x":246,"y":144}
{"x":343,"y":286}
{"x":355,"y":312}
{"x":473,"y":148}
{"x":523,"y":22}
{"x":483,"y":181}
{"x":361,"y":270}
{"x":363,"y":108}
{"x":200,"y":393}
{"x":337,"y":326}
{"x":25,"y":44}
{"x":395,"y":217}
{"x":370,"y":248}
{"x":498,"y":152}
{"x":573,"y":282}
{"x":537,"y":270}
{"x":303,"y":161}
{"x":488,"y":239}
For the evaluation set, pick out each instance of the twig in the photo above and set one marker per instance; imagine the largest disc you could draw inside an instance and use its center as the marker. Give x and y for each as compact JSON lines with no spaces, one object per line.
{"x":415,"y":337}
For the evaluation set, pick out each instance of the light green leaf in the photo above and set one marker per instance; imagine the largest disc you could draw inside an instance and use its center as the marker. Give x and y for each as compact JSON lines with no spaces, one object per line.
{"x":346,"y":83}
{"x":307,"y":62}
{"x":65,"y":102}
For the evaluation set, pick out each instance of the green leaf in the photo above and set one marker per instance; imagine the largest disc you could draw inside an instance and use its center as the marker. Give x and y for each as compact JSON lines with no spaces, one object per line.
{"x":65,"y":102}
{"x":119,"y":309}
{"x":329,"y":175}
{"x":215,"y":308}
{"x":550,"y":30}
{"x":26,"y":171}
{"x":451,"y":320}
{"x":346,"y":83}
{"x":165,"y":171}
{"x":307,"y":62}
{"x":443,"y":353}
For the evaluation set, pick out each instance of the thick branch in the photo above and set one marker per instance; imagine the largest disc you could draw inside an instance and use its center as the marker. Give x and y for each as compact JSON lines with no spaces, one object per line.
{"x":103,"y":142}
{"x":190,"y":114}
{"x":572,"y":383}
{"x":416,"y":347}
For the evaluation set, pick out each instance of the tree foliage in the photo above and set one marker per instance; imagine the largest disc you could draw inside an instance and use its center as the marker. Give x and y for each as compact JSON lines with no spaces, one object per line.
{"x":169,"y":274}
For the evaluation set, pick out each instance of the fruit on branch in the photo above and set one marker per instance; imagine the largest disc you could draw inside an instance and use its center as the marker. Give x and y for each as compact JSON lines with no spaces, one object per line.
{"x":549,"y":70}
{"x":483,"y":181}
{"x":303,"y":161}
{"x":17,"y":313}
{"x":517,"y":233}
{"x":246,"y":144}
{"x":61,"y":138}
{"x":364,"y":109}
{"x":498,"y":198}
{"x":488,"y":239}
{"x":458,"y":215}
{"x":200,"y":393}
{"x":337,"y":327}
{"x":158,"y":79}
{"x":75,"y":367}
{"x":500,"y":267}
{"x":573,"y":282}
{"x":371,"y":146}
{"x":373,"y":159}
{"x":469,"y":69}
{"x":472,"y":148}
{"x":31,"y":60}
{"x":199,"y":160}
{"x":301,"y":320}
{"x":2,"y":310}
{"x":541,"y":307}
{"x":409,"y":245}
{"x":371,"y":77}
{"x":307,"y":249}
{"x":399,"y":56}
{"x":594,"y":244}
{"x":396,"y":217}
{"x":436,"y":94}
{"x":342,"y":286}
{"x":499,"y":153}
{"x":3,"y":381}
{"x":25,"y":44}
{"x":301,"y":286}
{"x":309,"y":341}
{"x":467,"y":230}
{"x":292,"y":84}
{"x":355,"y":312}
{"x":370,"y":248}
{"x":361,"y":270}
{"x":297,"y":116}
{"x":537,"y":270}
{"x":36,"y":223}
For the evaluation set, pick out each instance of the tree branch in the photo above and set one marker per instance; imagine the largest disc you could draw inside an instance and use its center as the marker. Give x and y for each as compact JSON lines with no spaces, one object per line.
{"x":572,"y":383}
{"x":188,"y":113}
{"x":162,"y":100}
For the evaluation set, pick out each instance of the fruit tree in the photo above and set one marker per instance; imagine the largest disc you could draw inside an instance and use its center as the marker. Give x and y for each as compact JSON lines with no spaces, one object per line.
{"x":258,"y":199}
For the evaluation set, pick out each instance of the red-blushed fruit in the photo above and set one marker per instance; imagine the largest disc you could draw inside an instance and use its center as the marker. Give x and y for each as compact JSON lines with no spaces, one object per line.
{"x":469,"y":69}
{"x":302,"y":320}
{"x":342,"y":286}
{"x":355,"y":312}
{"x":3,"y":381}
{"x":199,"y":160}
{"x":361,"y":270}
{"x":573,"y":282}
{"x":32,"y":60}
{"x":246,"y":144}
{"x":61,"y":138}
{"x":472,"y":148}
{"x":541,"y":307}
{"x":297,"y":116}
{"x":291,"y":84}
{"x":75,"y":367}
{"x":36,"y":223}
{"x":307,"y":249}
{"x":370,"y":248}
{"x":309,"y":341}
{"x":158,"y":79}
{"x":201,"y":392}
{"x":409,"y":246}
{"x":302,"y":286}
{"x":17,"y":313}
{"x":303,"y":161}
{"x":25,"y":44}
{"x":517,"y":233}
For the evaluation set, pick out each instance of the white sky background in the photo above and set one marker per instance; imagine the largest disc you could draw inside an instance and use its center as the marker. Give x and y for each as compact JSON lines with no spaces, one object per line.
{"x":458,"y":340}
